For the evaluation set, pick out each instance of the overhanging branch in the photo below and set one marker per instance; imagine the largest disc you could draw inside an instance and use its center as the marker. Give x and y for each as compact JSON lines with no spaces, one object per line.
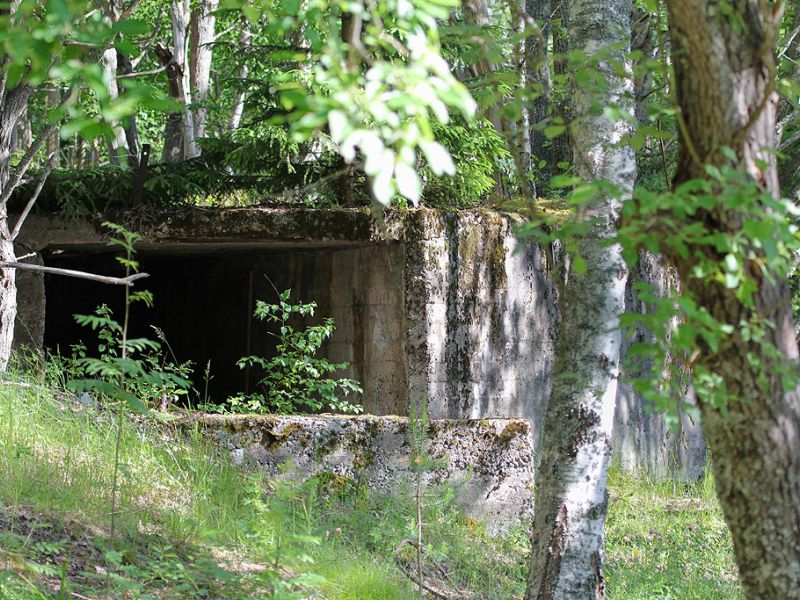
{"x":72,"y":273}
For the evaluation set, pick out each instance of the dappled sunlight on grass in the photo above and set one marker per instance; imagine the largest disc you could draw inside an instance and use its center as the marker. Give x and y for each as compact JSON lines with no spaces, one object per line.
{"x":667,"y":540}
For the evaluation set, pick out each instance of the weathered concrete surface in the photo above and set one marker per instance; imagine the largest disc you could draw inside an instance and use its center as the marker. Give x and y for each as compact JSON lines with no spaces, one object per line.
{"x":643,"y":441}
{"x":488,"y":462}
{"x":447,"y":306}
{"x":193,"y":227}
{"x":482,"y":318}
{"x":29,"y":325}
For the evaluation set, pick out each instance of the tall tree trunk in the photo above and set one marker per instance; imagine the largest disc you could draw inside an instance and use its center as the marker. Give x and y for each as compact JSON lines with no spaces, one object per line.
{"x":53,"y":143}
{"x":13,"y":103}
{"x":180,"y":13}
{"x":201,"y":38}
{"x":125,"y":67}
{"x":118,"y":144}
{"x":477,"y":12}
{"x":571,"y":496}
{"x":173,"y":136}
{"x":724,"y":74}
{"x":245,"y":37}
{"x":23,"y":133}
{"x":538,"y":77}
{"x":560,"y":149}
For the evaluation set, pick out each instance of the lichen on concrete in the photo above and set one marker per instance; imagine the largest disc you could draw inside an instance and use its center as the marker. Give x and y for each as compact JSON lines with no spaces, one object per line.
{"x":489,"y":462}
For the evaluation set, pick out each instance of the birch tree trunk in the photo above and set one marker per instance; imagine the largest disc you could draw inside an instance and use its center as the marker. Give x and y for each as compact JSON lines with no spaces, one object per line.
{"x":118,"y":144}
{"x":515,"y":134}
{"x":13,"y":103}
{"x":571,"y":496}
{"x":180,"y":12}
{"x":538,"y":76}
{"x":724,"y":77}
{"x":202,"y":26}
{"x":239,"y":94}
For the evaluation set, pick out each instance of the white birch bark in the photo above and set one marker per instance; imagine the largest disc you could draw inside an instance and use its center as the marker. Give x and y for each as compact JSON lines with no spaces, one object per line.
{"x":203,"y":29}
{"x":571,"y":494}
{"x":118,"y":144}
{"x":180,"y":12}
{"x":239,"y":94}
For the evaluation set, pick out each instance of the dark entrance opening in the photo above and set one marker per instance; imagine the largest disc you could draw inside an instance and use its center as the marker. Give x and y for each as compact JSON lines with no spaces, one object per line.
{"x":204,"y":297}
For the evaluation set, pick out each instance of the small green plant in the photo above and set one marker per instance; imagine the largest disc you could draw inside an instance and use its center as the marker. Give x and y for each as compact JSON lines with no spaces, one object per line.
{"x":421,"y":461}
{"x":127,"y":370}
{"x":295,"y":379}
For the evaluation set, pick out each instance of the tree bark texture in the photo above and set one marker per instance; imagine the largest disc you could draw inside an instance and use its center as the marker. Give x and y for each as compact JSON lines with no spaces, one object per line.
{"x":173,"y":136}
{"x":571,"y":496}
{"x":180,"y":13}
{"x":201,"y":38}
{"x":239,"y":94}
{"x":724,"y":69}
{"x":477,"y":12}
{"x":13,"y":103}
{"x":538,"y":76}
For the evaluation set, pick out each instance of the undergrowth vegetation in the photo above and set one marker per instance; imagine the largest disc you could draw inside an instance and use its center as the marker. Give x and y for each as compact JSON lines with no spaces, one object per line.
{"x":190,"y":525}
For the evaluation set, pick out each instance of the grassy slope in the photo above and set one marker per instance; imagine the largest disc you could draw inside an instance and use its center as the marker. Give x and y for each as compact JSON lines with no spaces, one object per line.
{"x":190,"y":526}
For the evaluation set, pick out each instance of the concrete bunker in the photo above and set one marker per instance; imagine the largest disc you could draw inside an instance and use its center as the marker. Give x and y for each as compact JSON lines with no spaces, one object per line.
{"x":447,"y":306}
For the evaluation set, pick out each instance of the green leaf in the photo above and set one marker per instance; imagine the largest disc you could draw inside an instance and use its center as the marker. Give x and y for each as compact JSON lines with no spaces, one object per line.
{"x":579,"y":264}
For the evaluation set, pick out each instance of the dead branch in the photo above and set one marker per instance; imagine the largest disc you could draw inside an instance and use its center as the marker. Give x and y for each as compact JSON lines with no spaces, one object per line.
{"x":442,"y":594}
{"x":72,"y":273}
{"x":155,"y":71}
{"x":35,"y":196}
{"x":28,"y":157}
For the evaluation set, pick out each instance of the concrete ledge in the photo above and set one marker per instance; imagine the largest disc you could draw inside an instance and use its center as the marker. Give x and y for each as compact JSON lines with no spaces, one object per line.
{"x":489,"y":462}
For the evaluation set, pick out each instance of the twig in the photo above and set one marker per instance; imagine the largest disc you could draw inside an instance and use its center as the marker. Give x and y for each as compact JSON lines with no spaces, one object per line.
{"x":155,"y":71}
{"x":72,"y":273}
{"x":35,"y":196}
{"x":789,"y":141}
{"x":427,"y":587}
{"x":21,"y":384}
{"x":149,"y":43}
{"x":27,"y":159}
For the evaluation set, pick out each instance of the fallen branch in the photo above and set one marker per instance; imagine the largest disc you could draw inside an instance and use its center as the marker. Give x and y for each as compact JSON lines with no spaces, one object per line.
{"x":441,"y":593}
{"x":71,"y":273}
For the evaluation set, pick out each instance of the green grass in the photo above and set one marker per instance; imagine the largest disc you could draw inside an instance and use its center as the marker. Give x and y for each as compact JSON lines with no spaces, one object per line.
{"x":189,"y":525}
{"x":667,"y":540}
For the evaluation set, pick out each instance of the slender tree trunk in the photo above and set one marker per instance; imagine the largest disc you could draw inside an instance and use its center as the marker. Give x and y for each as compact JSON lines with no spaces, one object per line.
{"x":118,"y":144}
{"x":477,"y":12}
{"x":23,"y":133}
{"x":13,"y":103}
{"x":239,"y":94}
{"x":560,"y":149}
{"x":724,"y":74}
{"x":538,"y":79}
{"x":180,"y":12}
{"x":53,"y":143}
{"x":571,"y":495}
{"x":201,"y":38}
{"x":173,"y":137}
{"x":124,"y":66}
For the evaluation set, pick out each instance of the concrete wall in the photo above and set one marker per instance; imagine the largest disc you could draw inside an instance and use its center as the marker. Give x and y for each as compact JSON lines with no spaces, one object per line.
{"x":447,"y":306}
{"x":29,"y":325}
{"x":643,"y":440}
{"x":361,"y":288}
{"x":482,"y":318}
{"x":489,"y":462}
